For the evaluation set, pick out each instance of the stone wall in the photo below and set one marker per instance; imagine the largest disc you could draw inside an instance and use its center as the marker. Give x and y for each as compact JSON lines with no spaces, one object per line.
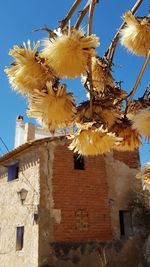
{"x":13,"y":213}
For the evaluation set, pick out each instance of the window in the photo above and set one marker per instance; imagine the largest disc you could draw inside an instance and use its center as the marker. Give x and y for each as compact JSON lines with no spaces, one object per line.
{"x":125,"y":223}
{"x":19,"y":238}
{"x":13,"y":171}
{"x":78,"y":162}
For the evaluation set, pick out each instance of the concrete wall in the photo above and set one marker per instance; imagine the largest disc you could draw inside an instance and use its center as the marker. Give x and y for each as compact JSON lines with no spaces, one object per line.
{"x":13,"y":213}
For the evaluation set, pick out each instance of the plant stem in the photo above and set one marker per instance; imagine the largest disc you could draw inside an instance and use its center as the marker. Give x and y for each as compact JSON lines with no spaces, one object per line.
{"x":91,"y":12}
{"x":50,"y":32}
{"x":81,"y":16}
{"x":111,"y":50}
{"x":139,"y":76}
{"x":131,"y":94}
{"x":70,"y":13}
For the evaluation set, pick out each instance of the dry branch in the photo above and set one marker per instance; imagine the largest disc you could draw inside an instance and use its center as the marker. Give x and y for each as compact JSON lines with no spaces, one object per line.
{"x":82,"y":13}
{"x":89,"y":32}
{"x":50,"y":32}
{"x":139,"y":77}
{"x":70,"y":13}
{"x":111,"y":50}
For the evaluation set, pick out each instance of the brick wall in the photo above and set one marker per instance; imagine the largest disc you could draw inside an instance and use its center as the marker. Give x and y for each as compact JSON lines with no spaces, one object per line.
{"x":130,"y":158}
{"x":81,"y":195}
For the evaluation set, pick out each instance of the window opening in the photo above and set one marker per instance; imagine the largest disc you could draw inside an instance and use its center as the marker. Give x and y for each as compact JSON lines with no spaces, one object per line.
{"x":19,"y":238}
{"x":13,"y":172}
{"x":78,"y":162}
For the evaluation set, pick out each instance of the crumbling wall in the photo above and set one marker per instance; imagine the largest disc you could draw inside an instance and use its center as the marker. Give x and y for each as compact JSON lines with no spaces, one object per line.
{"x":121,"y":185}
{"x":117,"y":171}
{"x":46,"y":212}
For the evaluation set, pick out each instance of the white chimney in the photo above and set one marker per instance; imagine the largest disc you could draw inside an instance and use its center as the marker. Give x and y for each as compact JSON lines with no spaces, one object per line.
{"x":19,"y":133}
{"x":24,"y":131}
{"x":29,"y":133}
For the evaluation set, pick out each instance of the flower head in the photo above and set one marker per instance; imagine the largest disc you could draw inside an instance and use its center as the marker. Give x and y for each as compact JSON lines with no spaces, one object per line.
{"x":69,"y":52}
{"x":54,"y":108}
{"x":141,"y":122}
{"x":130,"y":137}
{"x":28,"y":71}
{"x":136,"y":34}
{"x":91,"y":141}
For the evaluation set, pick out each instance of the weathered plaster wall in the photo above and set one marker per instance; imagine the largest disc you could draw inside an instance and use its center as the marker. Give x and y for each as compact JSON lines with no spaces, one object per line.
{"x":46,"y":211}
{"x":13,"y":213}
{"x":121,"y":185}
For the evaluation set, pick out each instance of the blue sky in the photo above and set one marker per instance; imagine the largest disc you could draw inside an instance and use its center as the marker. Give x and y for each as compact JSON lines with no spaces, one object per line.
{"x":19,"y":18}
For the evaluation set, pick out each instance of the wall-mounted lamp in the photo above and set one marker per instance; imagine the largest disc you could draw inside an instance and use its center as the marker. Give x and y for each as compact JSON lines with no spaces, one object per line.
{"x":22,"y":194}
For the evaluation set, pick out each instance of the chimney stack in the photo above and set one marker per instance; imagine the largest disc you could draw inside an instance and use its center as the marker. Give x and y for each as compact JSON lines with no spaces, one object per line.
{"x":24,"y":131}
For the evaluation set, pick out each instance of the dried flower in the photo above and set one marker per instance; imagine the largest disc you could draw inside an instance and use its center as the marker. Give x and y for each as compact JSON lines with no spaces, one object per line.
{"x":136,"y":34}
{"x":141,"y":122}
{"x":130,"y":137}
{"x":101,"y":75}
{"x":69,"y":52}
{"x":89,"y":141}
{"x":54,"y":108}
{"x":102,"y":114}
{"x":27,"y":72}
{"x":145,"y":174}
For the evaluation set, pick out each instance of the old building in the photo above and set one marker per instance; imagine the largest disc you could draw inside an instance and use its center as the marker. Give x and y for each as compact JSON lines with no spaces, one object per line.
{"x":56,"y":207}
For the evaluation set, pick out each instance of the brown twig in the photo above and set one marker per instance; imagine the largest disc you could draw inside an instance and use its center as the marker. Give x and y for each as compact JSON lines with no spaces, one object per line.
{"x":131,"y":94}
{"x":82,"y":14}
{"x":111,"y":50}
{"x":86,"y":87}
{"x":50,"y":32}
{"x":140,"y":76}
{"x":91,"y":12}
{"x":70,"y":13}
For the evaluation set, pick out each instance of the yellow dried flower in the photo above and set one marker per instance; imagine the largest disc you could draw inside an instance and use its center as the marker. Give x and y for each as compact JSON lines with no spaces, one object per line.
{"x":145,"y":174}
{"x":141,"y":122}
{"x":133,"y":108}
{"x":102,"y":114}
{"x":101,"y":75}
{"x":26,"y":73}
{"x":136,"y":34}
{"x":54,"y":108}
{"x":130,"y":137}
{"x":69,"y":52}
{"x":89,"y":141}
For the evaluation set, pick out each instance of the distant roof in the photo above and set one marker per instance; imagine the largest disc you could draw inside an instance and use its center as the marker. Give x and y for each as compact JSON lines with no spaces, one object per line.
{"x":27,"y":145}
